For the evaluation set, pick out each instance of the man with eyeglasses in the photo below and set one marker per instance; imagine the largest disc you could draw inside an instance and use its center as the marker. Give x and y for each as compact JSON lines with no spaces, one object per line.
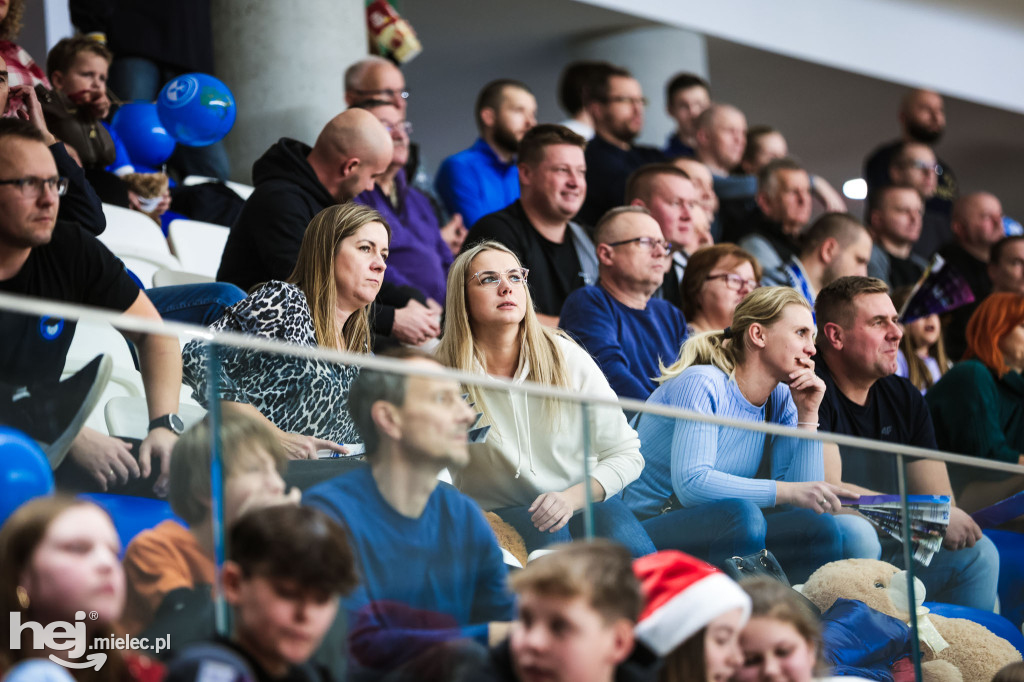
{"x":539,"y":226}
{"x":915,"y":165}
{"x":628,"y":332}
{"x":375,"y":78}
{"x":80,"y":204}
{"x":484,"y":178}
{"x":43,"y":257}
{"x":378,"y":79}
{"x":617,"y":105}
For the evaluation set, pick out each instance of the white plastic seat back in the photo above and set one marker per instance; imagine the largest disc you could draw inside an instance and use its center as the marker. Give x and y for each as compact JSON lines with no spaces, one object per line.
{"x":198,"y":245}
{"x":240,"y":188}
{"x":129,"y":417}
{"x":165,"y":277}
{"x":132,"y":232}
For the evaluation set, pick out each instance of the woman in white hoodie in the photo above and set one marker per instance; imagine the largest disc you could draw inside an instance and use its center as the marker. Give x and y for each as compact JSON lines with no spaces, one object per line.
{"x":530,"y":471}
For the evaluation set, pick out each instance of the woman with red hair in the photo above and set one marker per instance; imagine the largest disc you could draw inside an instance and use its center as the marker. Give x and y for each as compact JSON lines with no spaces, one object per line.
{"x":978,"y":406}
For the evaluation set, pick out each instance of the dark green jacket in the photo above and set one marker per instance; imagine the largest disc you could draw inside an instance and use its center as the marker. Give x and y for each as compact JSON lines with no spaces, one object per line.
{"x":976,"y":413}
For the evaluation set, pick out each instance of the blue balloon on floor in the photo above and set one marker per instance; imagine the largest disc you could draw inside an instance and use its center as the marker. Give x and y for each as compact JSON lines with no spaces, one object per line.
{"x":197,"y":109}
{"x":145,"y":138}
{"x":24,"y":471}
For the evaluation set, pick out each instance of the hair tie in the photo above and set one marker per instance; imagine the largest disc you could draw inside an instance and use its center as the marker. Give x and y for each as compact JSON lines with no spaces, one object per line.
{"x":727,"y":333}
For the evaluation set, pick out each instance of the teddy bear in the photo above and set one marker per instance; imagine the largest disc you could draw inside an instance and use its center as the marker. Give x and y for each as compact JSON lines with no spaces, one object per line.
{"x":951,"y":648}
{"x":509,"y":538}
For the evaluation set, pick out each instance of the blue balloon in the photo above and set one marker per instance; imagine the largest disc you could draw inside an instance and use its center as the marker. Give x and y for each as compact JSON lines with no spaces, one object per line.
{"x":24,"y":471}
{"x":197,"y":109}
{"x":131,"y":514}
{"x":145,"y":138}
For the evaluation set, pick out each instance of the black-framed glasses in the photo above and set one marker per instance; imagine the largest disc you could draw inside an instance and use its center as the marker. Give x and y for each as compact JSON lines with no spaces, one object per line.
{"x":735,"y":282}
{"x":389,"y":93}
{"x":492,"y":278}
{"x":648,"y":243}
{"x":31,"y":187}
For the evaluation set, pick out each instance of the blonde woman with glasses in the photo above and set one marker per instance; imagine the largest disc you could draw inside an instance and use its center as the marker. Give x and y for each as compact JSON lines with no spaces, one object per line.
{"x":530,"y":471}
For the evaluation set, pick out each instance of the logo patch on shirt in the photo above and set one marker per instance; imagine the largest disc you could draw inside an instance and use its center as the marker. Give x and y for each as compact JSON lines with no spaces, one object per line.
{"x":50,"y":327}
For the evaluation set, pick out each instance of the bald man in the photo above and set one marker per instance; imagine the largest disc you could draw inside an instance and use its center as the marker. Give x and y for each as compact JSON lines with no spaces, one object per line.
{"x":619,"y":323}
{"x":922,"y":117}
{"x":294,"y":182}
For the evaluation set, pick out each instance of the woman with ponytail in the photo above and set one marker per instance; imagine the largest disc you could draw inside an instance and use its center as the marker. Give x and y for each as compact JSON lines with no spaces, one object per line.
{"x":718,"y":491}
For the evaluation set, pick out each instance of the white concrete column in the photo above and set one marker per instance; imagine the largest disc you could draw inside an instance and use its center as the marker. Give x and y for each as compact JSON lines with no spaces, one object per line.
{"x":284,"y":62}
{"x":653,"y":54}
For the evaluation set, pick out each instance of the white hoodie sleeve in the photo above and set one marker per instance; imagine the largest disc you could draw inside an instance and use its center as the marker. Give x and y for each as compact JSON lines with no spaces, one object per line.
{"x":615,"y":447}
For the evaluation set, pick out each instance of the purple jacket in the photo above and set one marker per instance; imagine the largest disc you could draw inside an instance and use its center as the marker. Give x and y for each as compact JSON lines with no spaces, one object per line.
{"x":419,"y":257}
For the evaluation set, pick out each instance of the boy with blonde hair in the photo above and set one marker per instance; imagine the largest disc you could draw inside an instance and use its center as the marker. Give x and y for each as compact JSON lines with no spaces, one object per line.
{"x":577,"y":610}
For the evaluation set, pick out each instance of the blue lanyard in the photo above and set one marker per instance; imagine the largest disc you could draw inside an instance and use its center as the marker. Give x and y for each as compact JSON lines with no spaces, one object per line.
{"x":799,"y":282}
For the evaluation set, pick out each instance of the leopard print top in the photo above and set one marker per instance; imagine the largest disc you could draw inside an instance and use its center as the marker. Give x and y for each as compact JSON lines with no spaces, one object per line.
{"x":298,"y":395}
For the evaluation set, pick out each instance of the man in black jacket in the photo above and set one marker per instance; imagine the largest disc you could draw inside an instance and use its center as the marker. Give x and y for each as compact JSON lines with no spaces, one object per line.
{"x":294,"y":182}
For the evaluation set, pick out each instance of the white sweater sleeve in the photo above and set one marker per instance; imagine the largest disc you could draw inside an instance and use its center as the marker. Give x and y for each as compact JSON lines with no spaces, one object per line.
{"x":615,"y":447}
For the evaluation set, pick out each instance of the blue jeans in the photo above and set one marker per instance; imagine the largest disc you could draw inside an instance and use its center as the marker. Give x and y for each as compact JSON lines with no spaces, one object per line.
{"x":134,"y":78}
{"x":201,"y":304}
{"x":860,"y":537}
{"x":967,"y":577}
{"x":714,"y":531}
{"x":612,"y":520}
{"x":800,"y":539}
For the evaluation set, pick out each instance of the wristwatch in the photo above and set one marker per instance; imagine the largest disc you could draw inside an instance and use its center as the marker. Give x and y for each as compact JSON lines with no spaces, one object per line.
{"x":168,"y":421}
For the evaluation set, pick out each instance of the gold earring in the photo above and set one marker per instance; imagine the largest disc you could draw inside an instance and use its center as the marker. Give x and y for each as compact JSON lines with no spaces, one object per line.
{"x":22,"y":596}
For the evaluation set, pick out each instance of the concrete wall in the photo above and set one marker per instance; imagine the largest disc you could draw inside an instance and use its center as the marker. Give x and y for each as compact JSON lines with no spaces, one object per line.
{"x":284,"y":63}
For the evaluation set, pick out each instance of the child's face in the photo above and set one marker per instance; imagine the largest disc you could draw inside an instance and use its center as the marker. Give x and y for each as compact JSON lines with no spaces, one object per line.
{"x":558,"y":639}
{"x":722,"y":653}
{"x":86,"y":81}
{"x":76,"y":568}
{"x":252,"y":483}
{"x":924,"y":331}
{"x":278,"y":622}
{"x":774,"y":651}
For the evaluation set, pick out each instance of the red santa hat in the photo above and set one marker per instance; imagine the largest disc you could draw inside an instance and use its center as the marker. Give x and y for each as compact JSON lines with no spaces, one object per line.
{"x":682,"y":595}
